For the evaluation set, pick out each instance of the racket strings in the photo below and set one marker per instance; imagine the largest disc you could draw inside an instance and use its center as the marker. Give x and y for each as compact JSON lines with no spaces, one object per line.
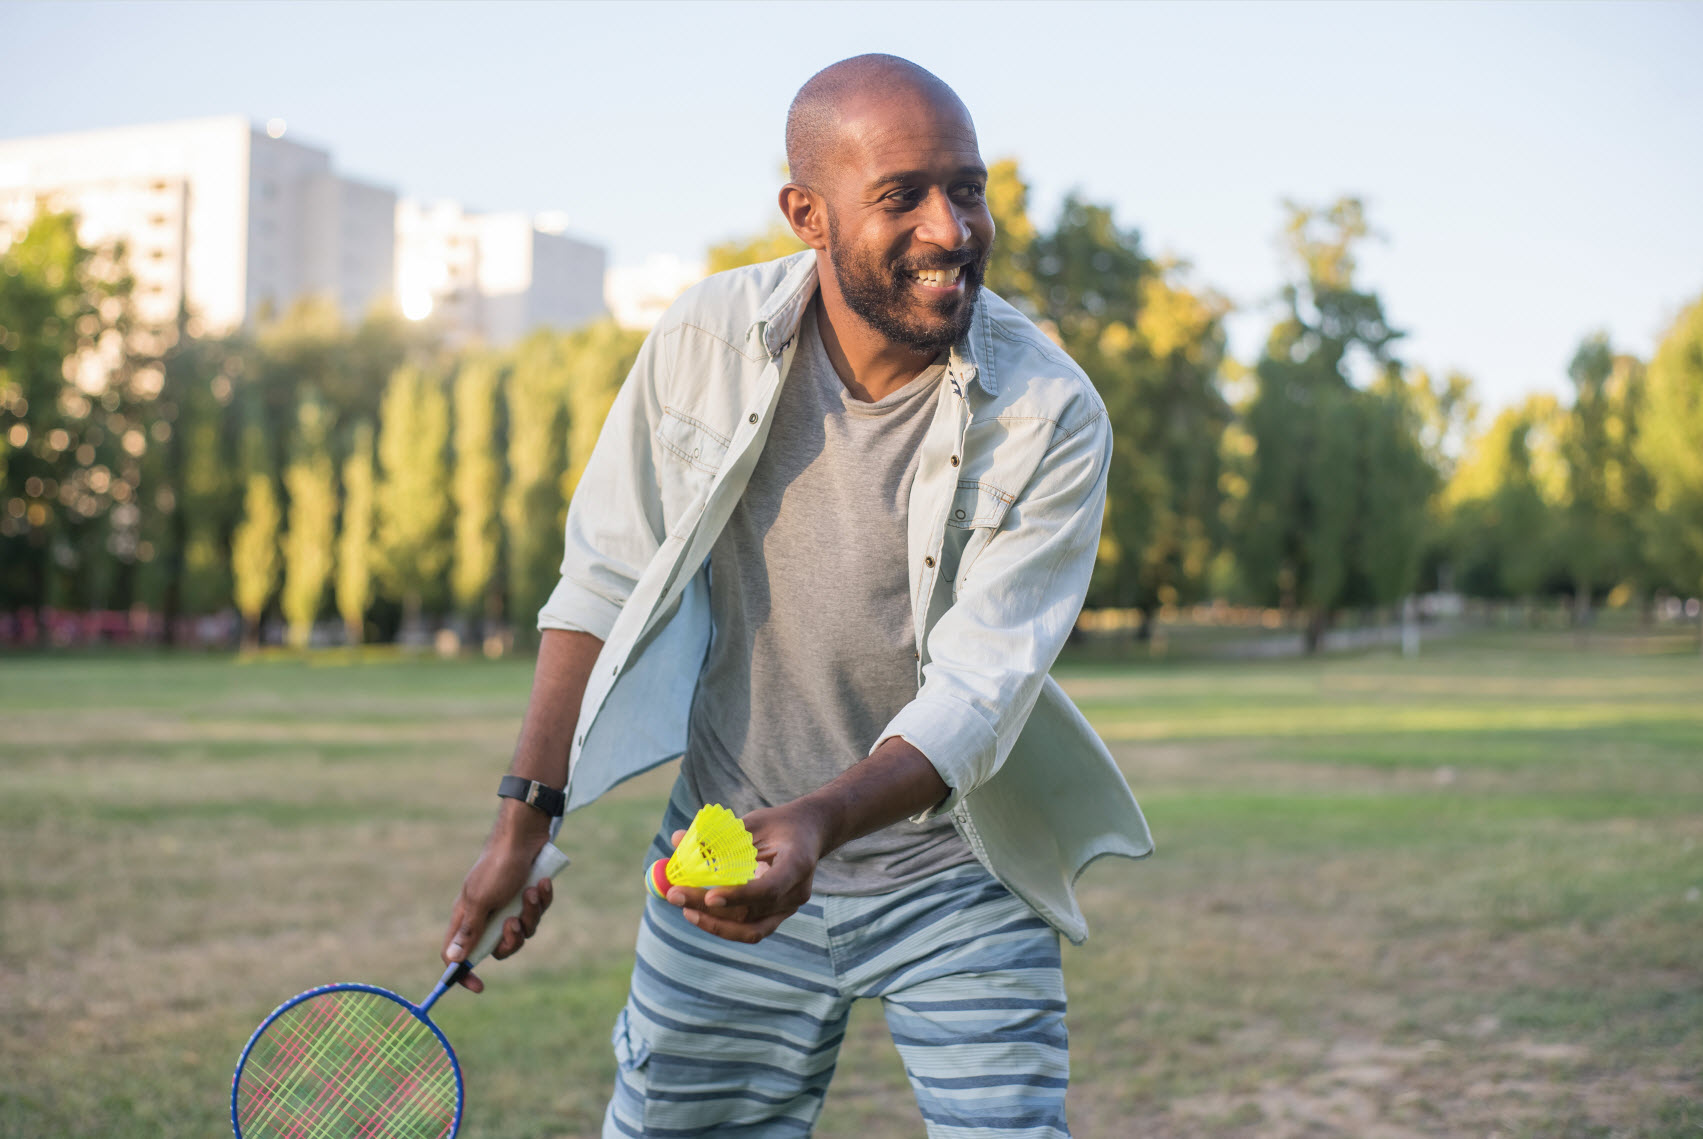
{"x":347,"y":1064}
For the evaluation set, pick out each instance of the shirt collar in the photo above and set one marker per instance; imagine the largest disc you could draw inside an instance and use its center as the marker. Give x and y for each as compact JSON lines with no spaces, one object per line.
{"x":778,"y":320}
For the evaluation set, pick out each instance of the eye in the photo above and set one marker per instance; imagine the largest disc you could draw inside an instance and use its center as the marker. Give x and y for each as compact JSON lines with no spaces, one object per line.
{"x":971,"y":191}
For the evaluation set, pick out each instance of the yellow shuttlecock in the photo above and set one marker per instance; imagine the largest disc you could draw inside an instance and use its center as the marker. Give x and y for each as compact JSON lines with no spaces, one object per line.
{"x":717,"y":851}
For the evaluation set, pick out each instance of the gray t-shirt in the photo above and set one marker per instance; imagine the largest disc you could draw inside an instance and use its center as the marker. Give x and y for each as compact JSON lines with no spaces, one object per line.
{"x":814,"y":650}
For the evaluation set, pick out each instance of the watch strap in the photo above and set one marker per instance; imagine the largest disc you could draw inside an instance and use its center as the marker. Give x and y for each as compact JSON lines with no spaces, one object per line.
{"x":534,"y":794}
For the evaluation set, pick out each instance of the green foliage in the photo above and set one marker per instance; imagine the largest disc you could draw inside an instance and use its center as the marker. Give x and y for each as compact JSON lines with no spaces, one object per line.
{"x":776,"y":241}
{"x":1607,"y":488}
{"x":353,"y":589}
{"x":310,"y":482}
{"x":1670,"y":447}
{"x":254,"y":545}
{"x":72,"y":394}
{"x":1154,"y":347}
{"x":1009,"y":271}
{"x":598,"y":358}
{"x":477,"y":485}
{"x":412,"y":495}
{"x":1338,"y":478}
{"x":1502,"y":504}
{"x":533,"y":503}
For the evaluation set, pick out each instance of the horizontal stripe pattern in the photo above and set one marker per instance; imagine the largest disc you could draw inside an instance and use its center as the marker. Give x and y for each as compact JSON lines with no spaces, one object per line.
{"x":740,"y":1041}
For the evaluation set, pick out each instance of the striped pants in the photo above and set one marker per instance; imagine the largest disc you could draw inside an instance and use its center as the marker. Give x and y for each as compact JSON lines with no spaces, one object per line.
{"x":725,"y":1039}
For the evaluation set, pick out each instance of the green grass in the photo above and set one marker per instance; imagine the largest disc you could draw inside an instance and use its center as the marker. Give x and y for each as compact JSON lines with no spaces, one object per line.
{"x":1450,"y":896}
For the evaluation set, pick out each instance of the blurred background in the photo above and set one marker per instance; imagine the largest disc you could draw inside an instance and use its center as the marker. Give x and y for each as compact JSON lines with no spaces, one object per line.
{"x":310,"y":314}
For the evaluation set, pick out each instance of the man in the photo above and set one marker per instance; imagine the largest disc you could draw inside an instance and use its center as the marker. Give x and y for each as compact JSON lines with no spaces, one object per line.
{"x":834,"y":532}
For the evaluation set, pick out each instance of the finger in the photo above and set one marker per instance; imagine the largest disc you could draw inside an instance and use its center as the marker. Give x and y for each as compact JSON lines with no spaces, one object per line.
{"x":749,"y":932}
{"x":691,"y":897}
{"x":529,"y":911}
{"x":464,"y":933}
{"x":512,"y":939}
{"x":546,"y":894}
{"x":674,"y":839}
{"x":471,"y":982}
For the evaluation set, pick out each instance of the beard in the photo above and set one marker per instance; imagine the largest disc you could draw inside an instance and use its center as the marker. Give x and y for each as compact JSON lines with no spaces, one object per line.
{"x":881,"y":294}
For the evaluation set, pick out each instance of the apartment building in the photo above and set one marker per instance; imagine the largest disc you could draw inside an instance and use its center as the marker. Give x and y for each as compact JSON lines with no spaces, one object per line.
{"x":228,"y":218}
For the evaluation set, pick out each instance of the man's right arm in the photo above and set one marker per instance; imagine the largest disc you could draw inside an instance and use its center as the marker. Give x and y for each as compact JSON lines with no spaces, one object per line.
{"x":565,"y":660}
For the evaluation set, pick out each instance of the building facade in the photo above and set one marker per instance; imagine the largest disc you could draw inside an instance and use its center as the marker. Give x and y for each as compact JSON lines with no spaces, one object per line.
{"x":237,"y":223}
{"x":493,"y":277}
{"x":216,"y":215}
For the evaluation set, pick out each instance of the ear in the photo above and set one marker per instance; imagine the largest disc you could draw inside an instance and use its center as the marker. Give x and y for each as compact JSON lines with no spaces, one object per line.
{"x":806,"y":213}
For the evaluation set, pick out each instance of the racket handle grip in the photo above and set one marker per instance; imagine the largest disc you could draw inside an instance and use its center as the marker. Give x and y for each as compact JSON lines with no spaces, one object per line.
{"x":548,"y":863}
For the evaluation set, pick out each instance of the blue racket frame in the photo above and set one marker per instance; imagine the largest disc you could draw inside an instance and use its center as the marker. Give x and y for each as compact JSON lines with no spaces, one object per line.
{"x":419,"y":1011}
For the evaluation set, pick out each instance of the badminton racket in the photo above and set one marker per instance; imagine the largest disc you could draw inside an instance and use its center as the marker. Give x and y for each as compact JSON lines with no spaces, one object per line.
{"x":353,"y":1061}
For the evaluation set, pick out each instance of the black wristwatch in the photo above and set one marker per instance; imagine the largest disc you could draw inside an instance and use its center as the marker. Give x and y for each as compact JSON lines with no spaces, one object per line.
{"x":534,"y":794}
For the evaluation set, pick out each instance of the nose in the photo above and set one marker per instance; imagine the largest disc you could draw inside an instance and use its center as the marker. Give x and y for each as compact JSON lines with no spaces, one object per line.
{"x":942,"y":223}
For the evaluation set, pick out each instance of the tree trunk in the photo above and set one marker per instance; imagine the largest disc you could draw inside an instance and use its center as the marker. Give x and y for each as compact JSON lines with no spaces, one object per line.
{"x":1317,"y":621}
{"x":1410,"y":626}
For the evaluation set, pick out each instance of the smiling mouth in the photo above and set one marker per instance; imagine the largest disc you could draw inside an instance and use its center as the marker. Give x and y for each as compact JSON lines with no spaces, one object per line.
{"x":936,"y":278}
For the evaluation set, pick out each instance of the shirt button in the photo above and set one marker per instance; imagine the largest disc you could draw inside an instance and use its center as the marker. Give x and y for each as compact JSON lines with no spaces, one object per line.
{"x":929,"y":562}
{"x":957,"y":514}
{"x":954,"y":460}
{"x":753,"y":417}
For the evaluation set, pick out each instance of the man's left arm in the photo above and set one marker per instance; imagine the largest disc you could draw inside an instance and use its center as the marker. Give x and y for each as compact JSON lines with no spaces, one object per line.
{"x":988,"y":655}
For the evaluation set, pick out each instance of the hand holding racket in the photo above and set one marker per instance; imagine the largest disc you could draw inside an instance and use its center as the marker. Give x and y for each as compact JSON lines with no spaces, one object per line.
{"x":346,"y":1061}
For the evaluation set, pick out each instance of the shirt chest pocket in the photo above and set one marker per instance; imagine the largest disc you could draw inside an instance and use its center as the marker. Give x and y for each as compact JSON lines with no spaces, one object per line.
{"x":978,"y":508}
{"x":690,"y":455}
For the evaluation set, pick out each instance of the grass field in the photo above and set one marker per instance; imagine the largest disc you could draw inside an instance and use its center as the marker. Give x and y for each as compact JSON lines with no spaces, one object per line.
{"x":1455,"y":896}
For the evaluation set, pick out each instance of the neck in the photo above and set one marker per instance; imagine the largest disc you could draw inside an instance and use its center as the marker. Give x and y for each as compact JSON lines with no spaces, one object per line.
{"x":870,"y":366}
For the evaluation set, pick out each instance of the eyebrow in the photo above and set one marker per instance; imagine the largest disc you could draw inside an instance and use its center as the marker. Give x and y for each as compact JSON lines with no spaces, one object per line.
{"x":905,"y":177}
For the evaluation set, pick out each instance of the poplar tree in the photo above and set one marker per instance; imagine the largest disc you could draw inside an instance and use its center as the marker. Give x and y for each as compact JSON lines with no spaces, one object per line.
{"x":412,"y":495}
{"x":597,"y":359}
{"x":533,"y":503}
{"x":310,"y":482}
{"x":254,"y":545}
{"x":353,"y":589}
{"x":477,"y":486}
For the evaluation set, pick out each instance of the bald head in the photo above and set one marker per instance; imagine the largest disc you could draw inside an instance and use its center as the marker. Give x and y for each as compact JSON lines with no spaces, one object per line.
{"x":838,"y":92}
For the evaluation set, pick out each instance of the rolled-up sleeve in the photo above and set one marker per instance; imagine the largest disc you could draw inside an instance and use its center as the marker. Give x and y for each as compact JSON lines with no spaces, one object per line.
{"x":615,"y":524}
{"x":991,"y":649}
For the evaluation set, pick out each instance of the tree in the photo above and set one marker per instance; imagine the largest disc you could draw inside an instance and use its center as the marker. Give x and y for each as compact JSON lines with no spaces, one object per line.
{"x":1010,"y":271}
{"x":412,"y":495}
{"x":477,"y":487}
{"x":1670,"y":447}
{"x":353,"y":588}
{"x":1153,"y":346}
{"x":597,"y":359}
{"x":533,"y":502}
{"x":776,"y":241}
{"x":311,"y":484}
{"x":74,"y":398}
{"x":1338,"y":479}
{"x":254,"y":545}
{"x":1606,"y":487}
{"x":1502,"y":506}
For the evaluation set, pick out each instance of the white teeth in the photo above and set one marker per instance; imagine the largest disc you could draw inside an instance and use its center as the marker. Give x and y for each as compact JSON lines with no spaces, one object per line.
{"x":938,"y":278}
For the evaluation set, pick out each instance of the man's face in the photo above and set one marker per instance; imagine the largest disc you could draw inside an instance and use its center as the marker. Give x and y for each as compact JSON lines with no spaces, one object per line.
{"x":908,"y":223}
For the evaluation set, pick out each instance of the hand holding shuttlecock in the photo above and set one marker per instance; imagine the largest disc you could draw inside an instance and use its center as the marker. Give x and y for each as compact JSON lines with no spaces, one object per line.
{"x":716,"y":851}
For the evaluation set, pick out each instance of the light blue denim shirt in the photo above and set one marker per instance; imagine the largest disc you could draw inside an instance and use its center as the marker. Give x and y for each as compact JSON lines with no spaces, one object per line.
{"x":1004,"y":523}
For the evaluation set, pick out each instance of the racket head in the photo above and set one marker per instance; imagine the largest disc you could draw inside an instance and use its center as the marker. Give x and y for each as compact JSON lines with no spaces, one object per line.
{"x":347,"y":1060}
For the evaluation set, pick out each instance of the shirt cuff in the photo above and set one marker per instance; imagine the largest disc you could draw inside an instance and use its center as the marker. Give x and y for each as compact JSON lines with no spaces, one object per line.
{"x":576,"y":609}
{"x":953,"y":736}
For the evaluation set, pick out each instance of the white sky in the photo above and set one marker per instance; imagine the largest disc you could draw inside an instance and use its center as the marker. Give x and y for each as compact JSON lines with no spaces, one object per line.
{"x":1537,"y":169}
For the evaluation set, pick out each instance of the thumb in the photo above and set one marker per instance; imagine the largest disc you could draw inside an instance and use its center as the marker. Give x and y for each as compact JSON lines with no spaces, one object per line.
{"x":466,"y":936}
